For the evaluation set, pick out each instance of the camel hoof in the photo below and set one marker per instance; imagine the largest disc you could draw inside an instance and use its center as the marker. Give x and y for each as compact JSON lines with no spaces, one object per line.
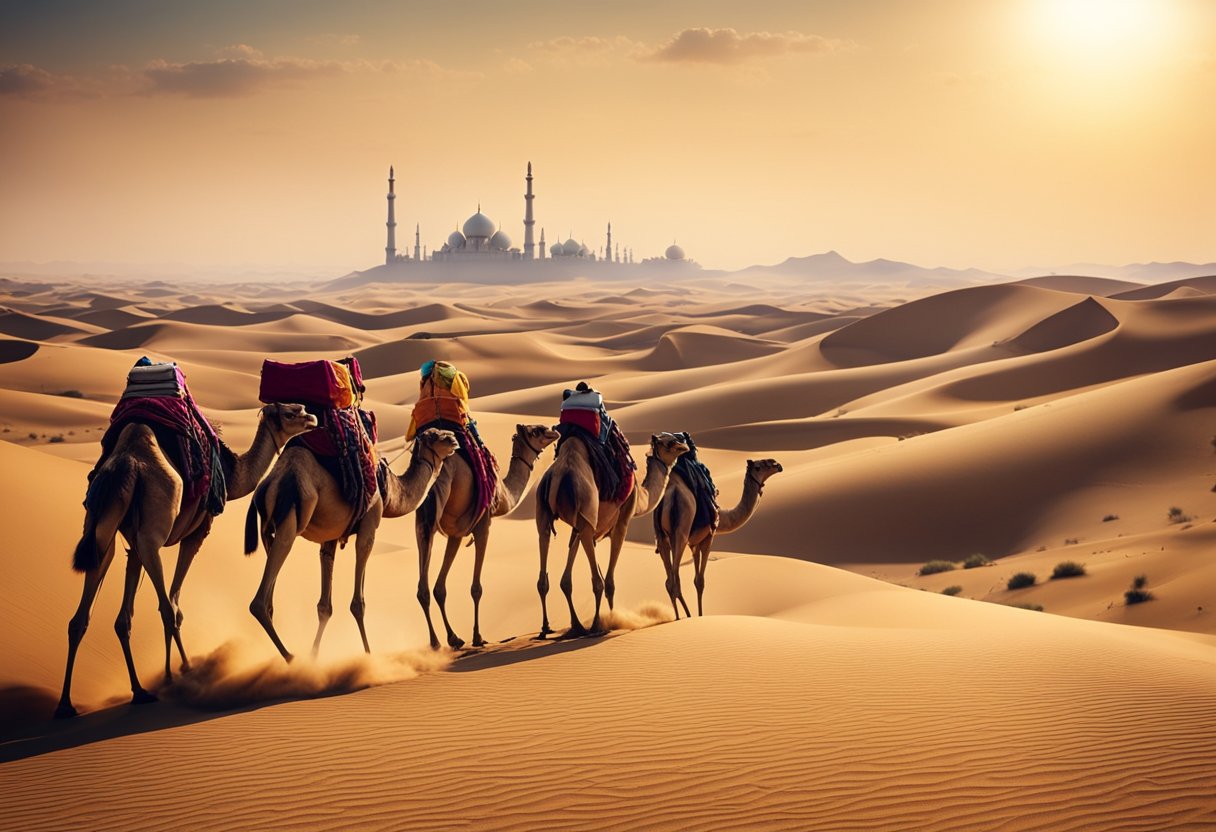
{"x":455,"y":642}
{"x":478,"y":641}
{"x":289,"y":658}
{"x":574,"y":632}
{"x":597,"y":632}
{"x":65,"y":711}
{"x":142,"y":697}
{"x":434,"y":644}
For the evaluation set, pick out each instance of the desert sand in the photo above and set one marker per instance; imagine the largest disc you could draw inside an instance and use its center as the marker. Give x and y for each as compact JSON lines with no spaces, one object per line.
{"x":829,"y":685}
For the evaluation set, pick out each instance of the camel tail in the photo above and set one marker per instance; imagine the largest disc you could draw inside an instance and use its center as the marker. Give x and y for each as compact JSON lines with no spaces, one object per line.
{"x":106,"y":504}
{"x":256,"y":510}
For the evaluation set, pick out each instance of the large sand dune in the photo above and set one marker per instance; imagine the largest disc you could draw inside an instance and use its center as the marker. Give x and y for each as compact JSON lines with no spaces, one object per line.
{"x":830,"y":685}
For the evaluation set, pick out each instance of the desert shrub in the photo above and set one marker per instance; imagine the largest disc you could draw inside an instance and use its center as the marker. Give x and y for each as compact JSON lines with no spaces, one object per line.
{"x":975,"y":560}
{"x":1071,"y":541}
{"x":1138,"y":594}
{"x":1110,"y":517}
{"x":72,"y":394}
{"x":952,"y":590}
{"x":1177,"y":515}
{"x":57,"y":438}
{"x":1068,"y":569}
{"x":33,"y":435}
{"x":1022,"y":580}
{"x":1031,"y":607}
{"x":935,"y":566}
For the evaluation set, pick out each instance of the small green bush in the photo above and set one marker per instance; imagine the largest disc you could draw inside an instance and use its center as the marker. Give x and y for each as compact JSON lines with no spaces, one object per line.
{"x":935,"y":566}
{"x":952,"y":590}
{"x":1138,"y":594}
{"x":1022,"y":580}
{"x":975,"y":560}
{"x":1068,"y":569}
{"x":1031,"y":607}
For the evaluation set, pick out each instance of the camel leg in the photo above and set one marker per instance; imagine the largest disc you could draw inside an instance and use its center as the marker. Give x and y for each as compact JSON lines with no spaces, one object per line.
{"x":616,"y":540}
{"x":147,"y":548}
{"x":425,"y":538}
{"x":542,"y":581}
{"x":664,"y":549}
{"x":122,"y":626}
{"x":262,"y":605}
{"x":325,"y":605}
{"x":363,"y":550}
{"x":679,"y":542}
{"x":567,"y":585}
{"x":441,"y":589}
{"x":185,"y":556}
{"x":700,"y":557}
{"x":481,"y":538}
{"x":78,"y":625}
{"x":597,"y":580}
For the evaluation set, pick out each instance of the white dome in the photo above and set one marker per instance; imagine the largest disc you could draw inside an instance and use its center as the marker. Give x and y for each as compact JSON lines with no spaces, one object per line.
{"x":479,"y":225}
{"x":674,"y":252}
{"x":500,"y":240}
{"x":570,"y":247}
{"x":456,"y":239}
{"x":556,"y":250}
{"x":583,"y":251}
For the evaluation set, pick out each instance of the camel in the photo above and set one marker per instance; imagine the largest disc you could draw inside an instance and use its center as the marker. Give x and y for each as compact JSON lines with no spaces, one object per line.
{"x":674,"y":527}
{"x":299,"y":498}
{"x":568,"y":492}
{"x":139,"y":492}
{"x":450,"y":509}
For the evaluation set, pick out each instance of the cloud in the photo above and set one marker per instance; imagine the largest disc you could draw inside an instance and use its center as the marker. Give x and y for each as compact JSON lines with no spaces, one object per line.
{"x":232,"y":77}
{"x":587,"y":50}
{"x":729,"y":46}
{"x":24,"y":81}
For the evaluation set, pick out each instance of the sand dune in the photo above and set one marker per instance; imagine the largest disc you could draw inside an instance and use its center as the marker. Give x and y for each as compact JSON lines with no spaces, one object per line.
{"x":1056,"y":419}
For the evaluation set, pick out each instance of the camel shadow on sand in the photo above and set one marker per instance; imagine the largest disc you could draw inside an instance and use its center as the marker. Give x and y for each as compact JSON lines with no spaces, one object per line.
{"x":28,"y":730}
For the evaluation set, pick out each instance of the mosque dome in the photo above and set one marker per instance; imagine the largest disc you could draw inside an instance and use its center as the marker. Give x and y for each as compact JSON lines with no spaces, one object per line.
{"x":583,"y":251}
{"x":500,"y":240}
{"x":479,"y":225}
{"x":571,"y":247}
{"x":674,"y":252}
{"x":456,"y":240}
{"x":557,"y":250}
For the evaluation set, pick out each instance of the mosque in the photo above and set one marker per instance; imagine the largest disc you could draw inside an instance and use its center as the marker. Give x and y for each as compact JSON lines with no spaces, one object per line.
{"x":482,"y":241}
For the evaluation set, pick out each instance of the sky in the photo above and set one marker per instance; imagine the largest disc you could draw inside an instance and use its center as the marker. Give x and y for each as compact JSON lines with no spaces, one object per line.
{"x":989,"y":133}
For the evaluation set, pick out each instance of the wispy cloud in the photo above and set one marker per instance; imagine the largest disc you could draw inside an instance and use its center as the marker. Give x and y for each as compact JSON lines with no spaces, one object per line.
{"x":231,"y":77}
{"x":586,"y":50}
{"x":729,"y":46}
{"x":24,"y":80}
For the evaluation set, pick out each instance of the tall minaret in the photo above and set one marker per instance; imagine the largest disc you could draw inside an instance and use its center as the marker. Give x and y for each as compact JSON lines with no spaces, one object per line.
{"x":390,"y":247}
{"x":542,"y":244}
{"x":618,"y":252}
{"x":529,"y":245}
{"x":417,"y":235}
{"x":608,"y":250}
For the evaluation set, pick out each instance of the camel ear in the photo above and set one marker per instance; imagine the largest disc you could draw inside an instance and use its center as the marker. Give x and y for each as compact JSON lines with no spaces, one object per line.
{"x":521,"y":430}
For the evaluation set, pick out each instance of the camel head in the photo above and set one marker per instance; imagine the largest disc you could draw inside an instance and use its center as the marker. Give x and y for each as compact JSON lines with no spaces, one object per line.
{"x":667,"y":448}
{"x":534,"y":437}
{"x":287,"y":420}
{"x":437,"y":445}
{"x":761,"y":469}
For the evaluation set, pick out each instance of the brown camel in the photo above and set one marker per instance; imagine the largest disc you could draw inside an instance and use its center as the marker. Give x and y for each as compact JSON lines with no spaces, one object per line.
{"x":451,"y":508}
{"x":568,"y":492}
{"x":299,"y":498}
{"x":139,"y":492}
{"x":674,"y":526}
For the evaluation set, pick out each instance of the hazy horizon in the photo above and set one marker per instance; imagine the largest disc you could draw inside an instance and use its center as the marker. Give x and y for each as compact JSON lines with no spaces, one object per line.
{"x":1000,"y":136}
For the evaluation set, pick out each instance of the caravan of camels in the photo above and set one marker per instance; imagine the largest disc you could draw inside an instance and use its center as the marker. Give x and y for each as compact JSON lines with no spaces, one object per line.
{"x":164,"y":475}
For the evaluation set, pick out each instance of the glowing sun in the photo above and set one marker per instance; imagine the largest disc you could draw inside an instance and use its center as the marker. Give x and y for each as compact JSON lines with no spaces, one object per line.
{"x":1110,"y":27}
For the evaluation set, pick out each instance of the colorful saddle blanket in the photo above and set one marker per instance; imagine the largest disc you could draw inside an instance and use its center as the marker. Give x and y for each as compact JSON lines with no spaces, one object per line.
{"x":696,"y":476}
{"x":197,"y":454}
{"x":344,"y":443}
{"x":479,"y":458}
{"x":612,"y":465}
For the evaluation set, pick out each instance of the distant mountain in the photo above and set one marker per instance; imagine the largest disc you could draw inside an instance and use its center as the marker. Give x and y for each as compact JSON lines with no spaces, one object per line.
{"x":831,"y":265}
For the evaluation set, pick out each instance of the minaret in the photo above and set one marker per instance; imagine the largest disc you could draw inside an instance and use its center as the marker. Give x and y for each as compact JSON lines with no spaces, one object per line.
{"x":390,"y":247}
{"x":417,"y":235}
{"x":618,"y":252}
{"x":608,"y":250}
{"x":543,"y":250}
{"x":529,"y":245}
